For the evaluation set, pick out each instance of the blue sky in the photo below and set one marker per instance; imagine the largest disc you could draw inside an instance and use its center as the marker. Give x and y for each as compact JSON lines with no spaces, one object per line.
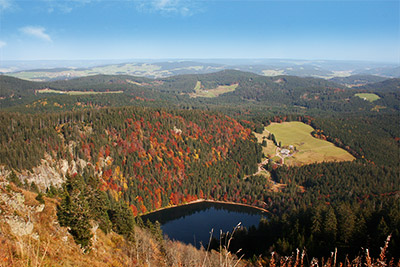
{"x":159,"y":29}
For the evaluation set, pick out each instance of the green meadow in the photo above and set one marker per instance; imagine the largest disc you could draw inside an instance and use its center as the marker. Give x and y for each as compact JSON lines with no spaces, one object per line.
{"x":221,"y":89}
{"x":368,"y":96}
{"x":51,"y":91}
{"x":309,"y":148}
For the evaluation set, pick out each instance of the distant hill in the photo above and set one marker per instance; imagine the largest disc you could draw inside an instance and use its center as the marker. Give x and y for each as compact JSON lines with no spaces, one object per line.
{"x":14,"y":87}
{"x":100,"y":83}
{"x":285,"y":89}
{"x":389,"y":85}
{"x":151,"y":69}
{"x":226,"y":88}
{"x":357,"y":80}
{"x":16,"y":91}
{"x":48,"y":70}
{"x":384,"y":71}
{"x":20,"y":88}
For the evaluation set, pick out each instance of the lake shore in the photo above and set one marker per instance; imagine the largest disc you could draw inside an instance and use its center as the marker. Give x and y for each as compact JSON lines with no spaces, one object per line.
{"x":209,"y":201}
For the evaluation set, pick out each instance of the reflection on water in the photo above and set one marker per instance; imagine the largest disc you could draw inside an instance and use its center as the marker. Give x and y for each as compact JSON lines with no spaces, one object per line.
{"x":193,"y":223}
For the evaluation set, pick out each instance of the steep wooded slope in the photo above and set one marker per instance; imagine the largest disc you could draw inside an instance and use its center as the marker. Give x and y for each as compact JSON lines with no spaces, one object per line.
{"x":149,"y":158}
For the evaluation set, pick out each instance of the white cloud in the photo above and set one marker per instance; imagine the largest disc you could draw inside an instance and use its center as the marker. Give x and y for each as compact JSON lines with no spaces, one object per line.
{"x":182,"y":7}
{"x":4,"y":4}
{"x":36,"y":31}
{"x":2,"y":44}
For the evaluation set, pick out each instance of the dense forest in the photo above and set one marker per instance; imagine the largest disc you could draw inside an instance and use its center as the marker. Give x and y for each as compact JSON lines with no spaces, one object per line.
{"x":346,"y":205}
{"x":357,"y":80}
{"x":326,"y":206}
{"x":150,"y":158}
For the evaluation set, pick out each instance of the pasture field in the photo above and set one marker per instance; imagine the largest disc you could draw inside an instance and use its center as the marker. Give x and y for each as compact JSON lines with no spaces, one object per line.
{"x":51,"y":91}
{"x":222,"y":89}
{"x":368,"y":96}
{"x":309,"y":149}
{"x":197,"y":87}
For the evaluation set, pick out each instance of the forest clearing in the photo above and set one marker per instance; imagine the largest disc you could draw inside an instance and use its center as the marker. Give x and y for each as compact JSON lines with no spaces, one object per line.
{"x":221,"y":89}
{"x":368,"y":96}
{"x":308,"y":149}
{"x":51,"y":91}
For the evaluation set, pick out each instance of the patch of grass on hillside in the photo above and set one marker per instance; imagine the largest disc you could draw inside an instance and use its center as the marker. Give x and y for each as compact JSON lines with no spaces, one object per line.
{"x":197,"y":87}
{"x":51,"y":91}
{"x":309,"y":149}
{"x":222,"y":89}
{"x":377,"y":108}
{"x":368,"y":96}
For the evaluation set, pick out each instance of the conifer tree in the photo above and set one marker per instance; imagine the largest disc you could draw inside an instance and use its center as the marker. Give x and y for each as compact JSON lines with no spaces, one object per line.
{"x":73,"y":212}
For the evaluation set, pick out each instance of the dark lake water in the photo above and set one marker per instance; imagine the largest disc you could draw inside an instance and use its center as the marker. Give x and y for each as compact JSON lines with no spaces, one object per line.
{"x":193,"y":223}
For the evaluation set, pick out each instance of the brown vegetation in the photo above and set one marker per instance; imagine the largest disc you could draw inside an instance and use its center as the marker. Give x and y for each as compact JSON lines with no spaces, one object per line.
{"x":51,"y":245}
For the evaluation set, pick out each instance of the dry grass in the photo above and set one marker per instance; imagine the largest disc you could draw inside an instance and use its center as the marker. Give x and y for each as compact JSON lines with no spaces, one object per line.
{"x":52,"y":245}
{"x":226,"y":259}
{"x":49,"y":244}
{"x":297,"y":260}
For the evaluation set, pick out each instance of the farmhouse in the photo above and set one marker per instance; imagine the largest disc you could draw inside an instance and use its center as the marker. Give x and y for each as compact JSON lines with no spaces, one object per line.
{"x":285,"y":152}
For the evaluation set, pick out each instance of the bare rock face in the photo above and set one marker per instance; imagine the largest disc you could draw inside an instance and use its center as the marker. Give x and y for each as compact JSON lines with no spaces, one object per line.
{"x":43,"y":177}
{"x":19,"y":226}
{"x":15,"y":213}
{"x":4,"y":173}
{"x":13,"y":210}
{"x":51,"y":172}
{"x":15,"y":201}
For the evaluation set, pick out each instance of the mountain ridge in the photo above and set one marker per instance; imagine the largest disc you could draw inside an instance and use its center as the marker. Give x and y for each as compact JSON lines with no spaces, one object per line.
{"x":159,"y":69}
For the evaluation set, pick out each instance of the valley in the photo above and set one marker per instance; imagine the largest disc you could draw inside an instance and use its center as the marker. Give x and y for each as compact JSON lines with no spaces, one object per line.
{"x":123,"y":146}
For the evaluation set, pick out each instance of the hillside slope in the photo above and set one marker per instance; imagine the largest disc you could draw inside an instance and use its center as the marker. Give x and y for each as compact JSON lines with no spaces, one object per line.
{"x":120,"y":162}
{"x":358,"y":80}
{"x":32,"y":236}
{"x":389,"y":85}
